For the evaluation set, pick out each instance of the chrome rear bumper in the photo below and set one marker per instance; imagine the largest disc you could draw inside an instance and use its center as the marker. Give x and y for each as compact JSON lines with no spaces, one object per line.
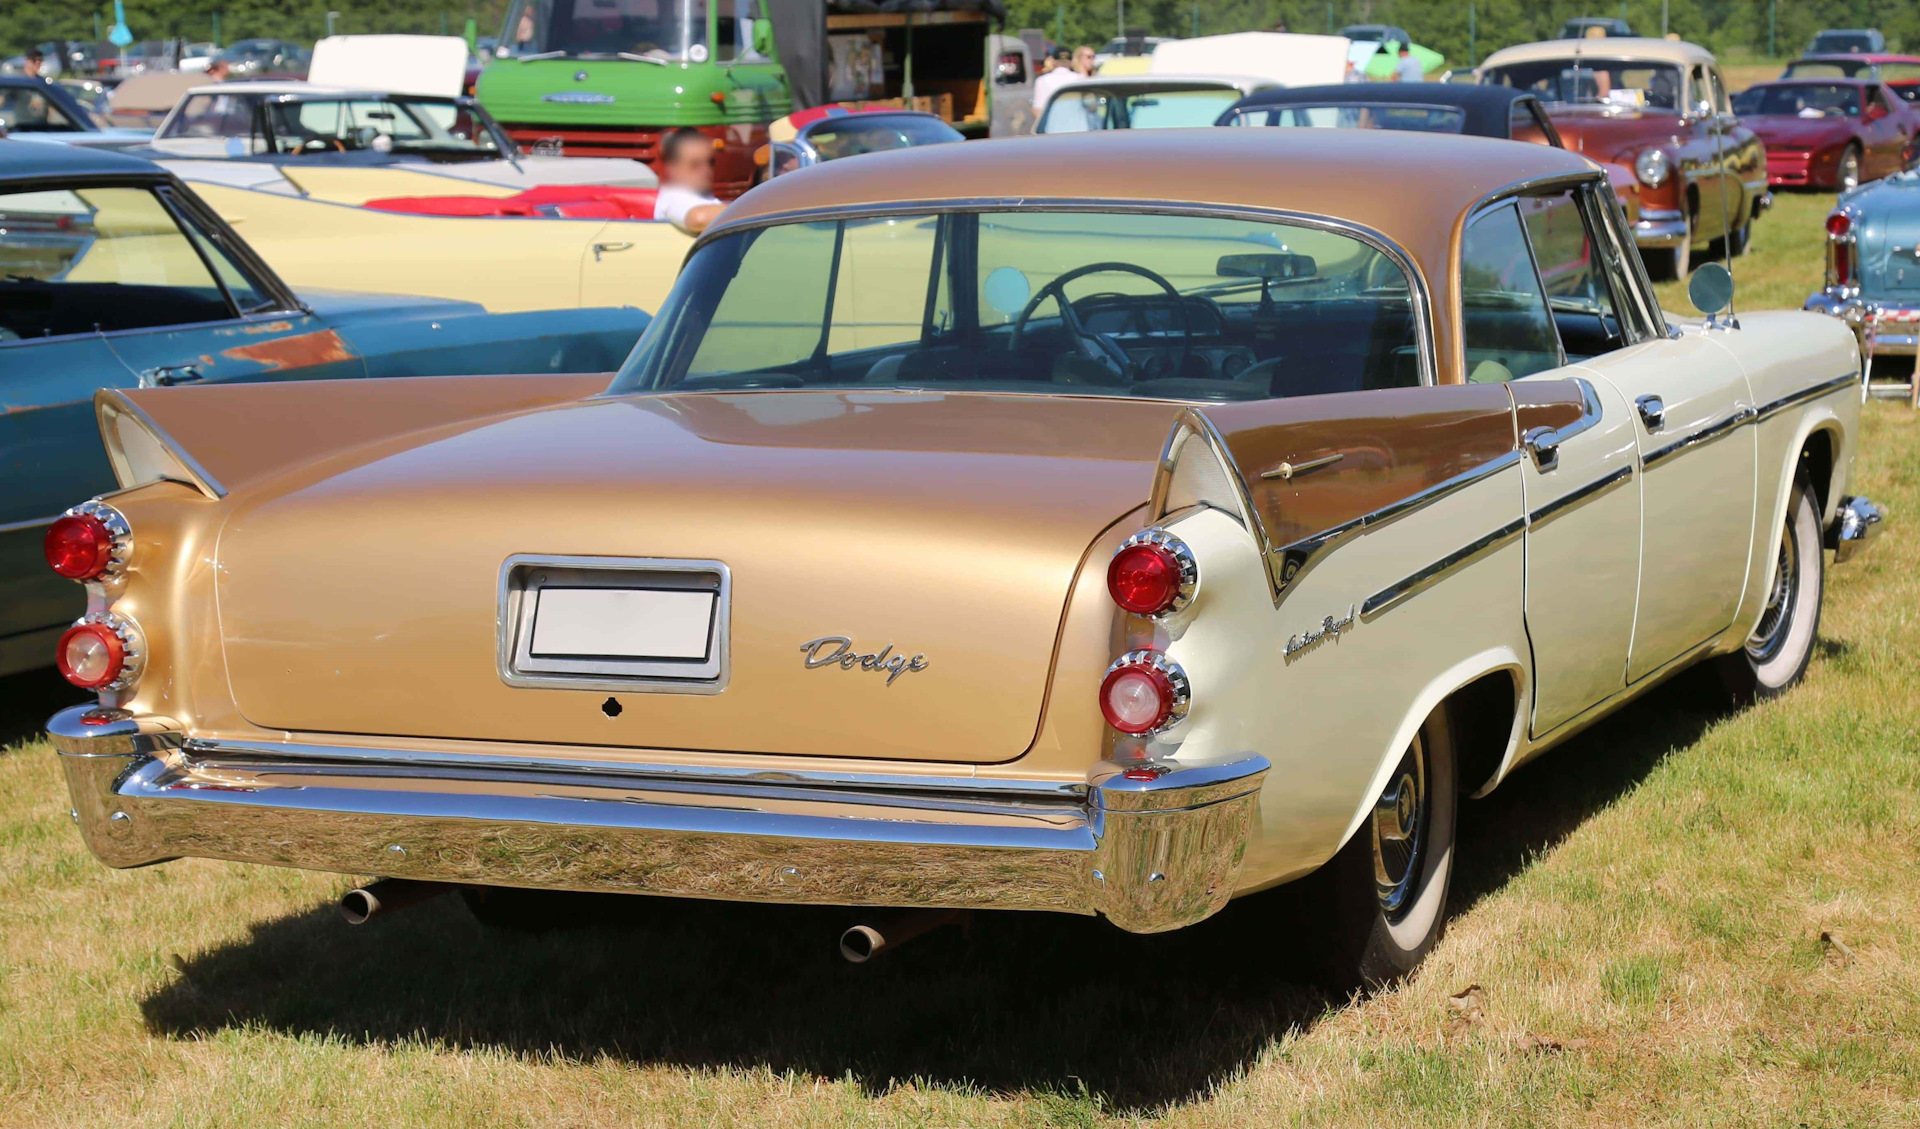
{"x":1151,"y":853}
{"x":1660,"y":227}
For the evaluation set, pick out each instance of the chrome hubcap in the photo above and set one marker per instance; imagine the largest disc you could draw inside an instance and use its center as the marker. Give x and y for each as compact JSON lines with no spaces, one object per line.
{"x":1849,"y":171}
{"x":1399,"y":831}
{"x":1771,"y":632}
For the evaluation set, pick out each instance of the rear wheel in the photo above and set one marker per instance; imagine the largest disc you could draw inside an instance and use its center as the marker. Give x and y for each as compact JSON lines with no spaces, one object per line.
{"x":1384,"y":896}
{"x":1738,"y":239}
{"x":1776,"y":654}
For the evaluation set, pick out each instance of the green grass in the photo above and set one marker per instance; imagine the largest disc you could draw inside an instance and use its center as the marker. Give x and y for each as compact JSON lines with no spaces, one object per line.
{"x":1643,"y":910}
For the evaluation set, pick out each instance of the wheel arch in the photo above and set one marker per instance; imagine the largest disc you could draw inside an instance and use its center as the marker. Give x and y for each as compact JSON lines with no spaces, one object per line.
{"x":1818,"y":447}
{"x":1477,"y":686}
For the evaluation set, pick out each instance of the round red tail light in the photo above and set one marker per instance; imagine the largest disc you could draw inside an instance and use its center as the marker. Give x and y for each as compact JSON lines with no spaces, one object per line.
{"x":1143,"y":692}
{"x":1152,"y":573}
{"x":1838,"y":224}
{"x":79,"y":546}
{"x":91,"y":655}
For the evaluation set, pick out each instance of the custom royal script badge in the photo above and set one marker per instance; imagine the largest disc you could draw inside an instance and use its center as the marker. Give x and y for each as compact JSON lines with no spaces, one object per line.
{"x":832,"y":650}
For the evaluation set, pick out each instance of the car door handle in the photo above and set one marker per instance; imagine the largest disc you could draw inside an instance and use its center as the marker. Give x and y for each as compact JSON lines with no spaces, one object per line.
{"x":165,"y":376}
{"x":608,"y":249}
{"x":1543,"y":443}
{"x":1653,"y":412}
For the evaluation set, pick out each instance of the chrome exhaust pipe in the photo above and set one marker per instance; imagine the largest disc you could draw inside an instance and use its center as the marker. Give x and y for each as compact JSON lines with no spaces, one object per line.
{"x":863,"y":942}
{"x":388,"y":895}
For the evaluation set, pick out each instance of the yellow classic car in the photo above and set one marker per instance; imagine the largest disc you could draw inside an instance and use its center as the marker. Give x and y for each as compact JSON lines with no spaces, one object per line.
{"x":1016,"y":525}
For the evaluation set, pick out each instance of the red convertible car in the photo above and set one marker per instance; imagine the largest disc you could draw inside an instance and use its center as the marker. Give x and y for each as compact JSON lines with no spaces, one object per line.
{"x":1829,"y":133}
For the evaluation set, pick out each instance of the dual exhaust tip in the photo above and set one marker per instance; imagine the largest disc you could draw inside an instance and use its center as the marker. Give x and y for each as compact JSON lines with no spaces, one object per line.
{"x":858,"y":945}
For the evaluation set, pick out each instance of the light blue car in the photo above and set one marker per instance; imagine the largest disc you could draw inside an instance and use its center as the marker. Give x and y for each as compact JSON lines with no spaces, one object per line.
{"x":113,"y":274}
{"x":1873,"y":264}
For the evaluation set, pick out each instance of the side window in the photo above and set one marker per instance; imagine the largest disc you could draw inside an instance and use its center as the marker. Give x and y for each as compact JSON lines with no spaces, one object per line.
{"x":99,"y":259}
{"x":26,"y":111}
{"x":1698,"y":90}
{"x":1506,"y":326}
{"x":1719,"y":88}
{"x":245,"y":291}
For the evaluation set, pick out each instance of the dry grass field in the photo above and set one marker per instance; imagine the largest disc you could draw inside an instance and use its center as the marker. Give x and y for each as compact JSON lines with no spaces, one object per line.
{"x":1689,"y":916}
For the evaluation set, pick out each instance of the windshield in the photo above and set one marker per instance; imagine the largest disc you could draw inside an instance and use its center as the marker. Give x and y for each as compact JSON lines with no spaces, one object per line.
{"x":439,"y":127}
{"x":649,"y":29}
{"x":1354,"y":115}
{"x":1608,"y":81}
{"x":1067,"y":303}
{"x":1846,"y":42}
{"x":1811,"y":100}
{"x":26,"y":110}
{"x":1075,"y":111}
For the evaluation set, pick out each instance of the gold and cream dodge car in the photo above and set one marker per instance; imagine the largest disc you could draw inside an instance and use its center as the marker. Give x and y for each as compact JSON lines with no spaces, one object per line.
{"x":1008,"y":525}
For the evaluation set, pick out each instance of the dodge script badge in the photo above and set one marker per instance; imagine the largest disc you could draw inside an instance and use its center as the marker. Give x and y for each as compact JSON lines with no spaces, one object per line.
{"x":831,"y":650}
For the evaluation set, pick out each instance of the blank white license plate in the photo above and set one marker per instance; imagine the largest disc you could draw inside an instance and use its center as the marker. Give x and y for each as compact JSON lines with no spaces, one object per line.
{"x":623,"y":623}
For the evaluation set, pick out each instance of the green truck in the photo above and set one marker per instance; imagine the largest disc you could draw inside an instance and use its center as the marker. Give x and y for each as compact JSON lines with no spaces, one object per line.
{"x":609,"y":78}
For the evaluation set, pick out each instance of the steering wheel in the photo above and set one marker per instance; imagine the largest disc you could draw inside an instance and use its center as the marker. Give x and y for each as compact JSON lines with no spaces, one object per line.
{"x":1098,"y":347}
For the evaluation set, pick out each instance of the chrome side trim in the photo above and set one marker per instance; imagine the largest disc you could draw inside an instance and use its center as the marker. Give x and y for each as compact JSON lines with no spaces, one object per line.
{"x":31,"y":523}
{"x":1775,"y":407}
{"x":1573,"y":500}
{"x":1719,"y":429}
{"x":1391,"y":596}
{"x":1289,"y":562}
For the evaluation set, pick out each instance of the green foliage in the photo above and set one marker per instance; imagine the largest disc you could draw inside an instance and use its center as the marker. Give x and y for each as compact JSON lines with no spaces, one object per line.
{"x":26,"y":22}
{"x":1721,"y":25}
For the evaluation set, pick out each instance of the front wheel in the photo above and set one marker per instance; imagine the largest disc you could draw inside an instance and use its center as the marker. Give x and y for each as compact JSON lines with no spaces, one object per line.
{"x":1383,"y":898}
{"x":1776,"y":654}
{"x":1848,"y":174}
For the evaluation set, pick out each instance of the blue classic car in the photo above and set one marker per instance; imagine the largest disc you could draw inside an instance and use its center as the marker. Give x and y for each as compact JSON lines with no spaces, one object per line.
{"x":113,"y":274}
{"x":34,"y":109}
{"x":1873,"y":263}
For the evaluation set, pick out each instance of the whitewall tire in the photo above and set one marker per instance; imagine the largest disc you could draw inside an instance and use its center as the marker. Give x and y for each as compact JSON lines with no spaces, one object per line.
{"x":1776,"y":652}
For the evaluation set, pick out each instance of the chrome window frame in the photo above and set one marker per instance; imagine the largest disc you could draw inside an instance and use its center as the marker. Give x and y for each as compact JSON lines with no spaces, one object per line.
{"x":1418,"y":290}
{"x":1479,"y":216}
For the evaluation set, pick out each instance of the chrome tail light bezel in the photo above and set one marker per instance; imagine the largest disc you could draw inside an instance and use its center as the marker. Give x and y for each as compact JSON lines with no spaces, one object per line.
{"x":1179,"y":689}
{"x":1184,"y":560}
{"x":133,"y":650}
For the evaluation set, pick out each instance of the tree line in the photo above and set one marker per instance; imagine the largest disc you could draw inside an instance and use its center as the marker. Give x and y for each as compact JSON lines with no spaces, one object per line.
{"x":1463,"y":31}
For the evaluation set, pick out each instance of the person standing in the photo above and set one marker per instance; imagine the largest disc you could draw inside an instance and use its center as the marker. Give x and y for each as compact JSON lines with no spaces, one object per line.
{"x":1408,"y":69}
{"x":1083,"y":61}
{"x":1059,"y":70}
{"x":34,"y":61}
{"x":686,"y":197}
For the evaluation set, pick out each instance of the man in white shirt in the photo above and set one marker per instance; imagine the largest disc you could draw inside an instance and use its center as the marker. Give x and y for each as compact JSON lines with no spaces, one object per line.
{"x":686,"y":196}
{"x":1059,"y":74}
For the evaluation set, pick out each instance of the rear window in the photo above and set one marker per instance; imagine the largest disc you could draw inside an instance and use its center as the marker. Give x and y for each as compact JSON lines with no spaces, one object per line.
{"x":1808,"y":101}
{"x":1371,"y":115}
{"x":1066,"y":303}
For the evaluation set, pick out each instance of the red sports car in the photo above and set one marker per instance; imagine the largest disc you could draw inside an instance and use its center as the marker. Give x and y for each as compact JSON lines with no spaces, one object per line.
{"x":1829,"y":133}
{"x":1901,"y":73}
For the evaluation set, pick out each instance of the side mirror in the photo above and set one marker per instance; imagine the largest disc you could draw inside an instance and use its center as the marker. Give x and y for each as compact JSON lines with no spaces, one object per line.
{"x":1711,"y":289}
{"x":762,"y":38}
{"x":1703,"y":109}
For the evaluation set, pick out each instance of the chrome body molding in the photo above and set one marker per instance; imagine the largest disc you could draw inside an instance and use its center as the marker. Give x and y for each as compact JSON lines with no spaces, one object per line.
{"x":1290,"y":562}
{"x":1775,"y":407}
{"x":1393,"y":595}
{"x":1719,"y":429}
{"x":1574,"y":499}
{"x":1855,"y":524}
{"x":1286,"y":471}
{"x":1150,"y":848}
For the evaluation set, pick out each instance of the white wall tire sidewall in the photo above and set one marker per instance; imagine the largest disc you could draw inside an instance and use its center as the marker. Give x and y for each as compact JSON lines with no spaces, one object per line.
{"x":1780,"y":672}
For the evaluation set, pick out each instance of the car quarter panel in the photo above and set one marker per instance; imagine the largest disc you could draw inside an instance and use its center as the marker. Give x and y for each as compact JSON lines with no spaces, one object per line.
{"x":1804,"y":370}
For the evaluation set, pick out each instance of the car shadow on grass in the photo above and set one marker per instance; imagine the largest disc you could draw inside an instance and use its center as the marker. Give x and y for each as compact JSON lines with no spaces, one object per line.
{"x":1011,"y":1003}
{"x":28,"y":699}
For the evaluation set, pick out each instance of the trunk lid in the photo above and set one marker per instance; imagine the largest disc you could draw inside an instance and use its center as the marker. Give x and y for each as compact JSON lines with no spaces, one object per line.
{"x":360,"y":595}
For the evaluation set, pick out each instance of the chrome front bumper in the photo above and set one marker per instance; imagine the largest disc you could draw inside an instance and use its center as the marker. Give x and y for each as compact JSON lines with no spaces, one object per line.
{"x":1660,"y":227}
{"x":1855,"y":524}
{"x":1895,"y":330}
{"x":1151,"y":851}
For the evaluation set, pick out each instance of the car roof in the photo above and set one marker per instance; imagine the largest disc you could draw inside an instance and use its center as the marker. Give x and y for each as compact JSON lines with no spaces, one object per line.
{"x":1611,"y":47}
{"x":1873,"y":57}
{"x":24,"y":160}
{"x":277,"y":88}
{"x":1487,"y":108}
{"x":1170,"y":81}
{"x":1816,"y":80}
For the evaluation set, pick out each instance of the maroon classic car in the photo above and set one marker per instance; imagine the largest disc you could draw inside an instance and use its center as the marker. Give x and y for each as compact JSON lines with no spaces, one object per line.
{"x":1829,"y":133}
{"x":1660,"y":108}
